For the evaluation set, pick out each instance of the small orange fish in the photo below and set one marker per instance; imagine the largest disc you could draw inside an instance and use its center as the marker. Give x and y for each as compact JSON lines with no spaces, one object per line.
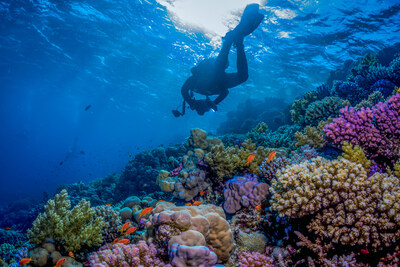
{"x":188,"y":204}
{"x":145,"y":211}
{"x":202,"y":193}
{"x":364,"y":251}
{"x":197,"y":203}
{"x":108,"y":204}
{"x":60,"y":262}
{"x":125,"y":226}
{"x":8,"y":228}
{"x":124,"y":241}
{"x":271,"y":156}
{"x":115,"y":241}
{"x":131,"y":230}
{"x":258,"y":207}
{"x":71,"y":254}
{"x":250,"y":158}
{"x":25,"y":261}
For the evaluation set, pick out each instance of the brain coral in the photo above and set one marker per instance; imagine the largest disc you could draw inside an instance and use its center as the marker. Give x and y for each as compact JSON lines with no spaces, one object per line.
{"x":169,"y":221}
{"x":74,"y":228}
{"x":342,"y":203}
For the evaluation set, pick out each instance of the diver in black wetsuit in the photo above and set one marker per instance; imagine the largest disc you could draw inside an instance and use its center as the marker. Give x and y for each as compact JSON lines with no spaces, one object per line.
{"x":209,"y":76}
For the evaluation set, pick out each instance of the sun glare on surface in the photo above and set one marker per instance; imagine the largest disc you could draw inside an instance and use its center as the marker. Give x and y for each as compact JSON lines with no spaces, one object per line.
{"x":213,"y":17}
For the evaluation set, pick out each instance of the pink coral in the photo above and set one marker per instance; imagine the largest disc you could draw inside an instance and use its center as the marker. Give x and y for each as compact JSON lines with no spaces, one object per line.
{"x":255,"y":259}
{"x":126,"y":255}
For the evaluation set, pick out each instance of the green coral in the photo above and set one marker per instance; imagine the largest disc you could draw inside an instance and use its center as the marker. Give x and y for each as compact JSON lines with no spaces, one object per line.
{"x":254,"y":242}
{"x":372,"y":100}
{"x":312,"y":136}
{"x":228,"y":161}
{"x":72,"y":227}
{"x":260,"y":128}
{"x":323,"y":109}
{"x":299,"y":106}
{"x":356,"y":154}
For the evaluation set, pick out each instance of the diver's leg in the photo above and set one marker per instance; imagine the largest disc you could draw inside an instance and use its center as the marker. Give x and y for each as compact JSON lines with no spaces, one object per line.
{"x":222,"y":58}
{"x":242,"y":74}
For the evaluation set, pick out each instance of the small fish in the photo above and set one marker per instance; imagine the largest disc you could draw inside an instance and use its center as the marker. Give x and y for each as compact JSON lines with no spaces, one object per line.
{"x":271,"y":156}
{"x":364,"y":251}
{"x":108,"y":204}
{"x":197,"y":203}
{"x":61,"y":163}
{"x":60,"y":262}
{"x":258,"y":207}
{"x":130,"y":154}
{"x":131,"y":230}
{"x":8,"y":228}
{"x":250,"y":158}
{"x":124,"y":241}
{"x":202,"y":193}
{"x":145,"y":211}
{"x":25,"y":261}
{"x":71,"y":254}
{"x":82,"y":152}
{"x":88,"y":107}
{"x":115,"y":241}
{"x":125,"y":226}
{"x":188,"y":204}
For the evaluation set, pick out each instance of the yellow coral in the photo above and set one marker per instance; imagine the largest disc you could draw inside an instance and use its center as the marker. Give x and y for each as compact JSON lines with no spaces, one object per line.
{"x":312,"y":136}
{"x":74,"y":228}
{"x":198,"y":139}
{"x":342,"y":203}
{"x":356,"y":154}
{"x":231,"y":160}
{"x":396,"y":169}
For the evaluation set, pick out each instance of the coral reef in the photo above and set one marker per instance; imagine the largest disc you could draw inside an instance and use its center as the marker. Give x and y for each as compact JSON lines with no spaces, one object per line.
{"x":73,"y":228}
{"x":299,"y":107}
{"x":323,"y":109}
{"x":192,"y":256}
{"x":282,"y":137}
{"x":198,"y":139}
{"x":373,"y":99}
{"x":312,"y":136}
{"x":268,"y":169}
{"x":229,"y":161}
{"x":356,"y":154}
{"x":244,"y":191}
{"x":112,"y":222}
{"x":376,"y":130}
{"x":169,"y":221}
{"x":345,"y":206}
{"x":117,"y":255}
{"x":253,"y":242}
{"x":255,"y":259}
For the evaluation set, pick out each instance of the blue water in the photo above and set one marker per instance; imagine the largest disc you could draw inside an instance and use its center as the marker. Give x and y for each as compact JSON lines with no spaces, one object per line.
{"x":127,"y":60}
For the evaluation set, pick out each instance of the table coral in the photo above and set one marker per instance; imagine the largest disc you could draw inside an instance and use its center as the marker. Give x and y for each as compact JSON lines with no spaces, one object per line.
{"x":376,"y":130}
{"x":344,"y":205}
{"x":169,"y":221}
{"x":74,"y":228}
{"x":244,"y":192}
{"x":118,"y":255}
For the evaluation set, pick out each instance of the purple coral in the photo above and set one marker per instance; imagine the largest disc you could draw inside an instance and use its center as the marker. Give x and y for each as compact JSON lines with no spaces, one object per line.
{"x":244,"y":191}
{"x":201,"y":256}
{"x":126,"y":255}
{"x":255,"y":259}
{"x":376,"y":130}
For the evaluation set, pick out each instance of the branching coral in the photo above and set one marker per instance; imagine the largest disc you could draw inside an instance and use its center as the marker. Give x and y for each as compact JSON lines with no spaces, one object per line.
{"x":229,"y":161}
{"x":376,"y":130}
{"x":356,"y":154}
{"x":373,"y":99}
{"x":112,"y":222}
{"x":198,"y":139}
{"x":299,"y":107}
{"x":269,"y":168}
{"x":344,"y":205}
{"x":74,"y":228}
{"x":126,"y":255}
{"x":255,"y":259}
{"x":312,"y":136}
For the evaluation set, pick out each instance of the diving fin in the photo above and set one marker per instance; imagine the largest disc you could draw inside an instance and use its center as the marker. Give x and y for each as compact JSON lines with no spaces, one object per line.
{"x":249,"y":21}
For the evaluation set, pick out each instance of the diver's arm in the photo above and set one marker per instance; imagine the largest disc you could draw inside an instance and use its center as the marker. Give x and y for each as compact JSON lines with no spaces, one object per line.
{"x":221,"y":96}
{"x":189,"y":84}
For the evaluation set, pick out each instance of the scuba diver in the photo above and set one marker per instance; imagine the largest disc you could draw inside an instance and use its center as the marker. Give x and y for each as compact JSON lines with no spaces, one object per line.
{"x":209,"y":76}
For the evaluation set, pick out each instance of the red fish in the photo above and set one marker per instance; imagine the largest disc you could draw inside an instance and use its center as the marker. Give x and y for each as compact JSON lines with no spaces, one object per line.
{"x":60,"y":262}
{"x":364,"y":251}
{"x":250,"y":158}
{"x":131,"y":230}
{"x":197,"y":203}
{"x":258,"y":207}
{"x":145,"y":211}
{"x":71,"y":254}
{"x":124,"y":241}
{"x":271,"y":156}
{"x":125,"y":226}
{"x":202,"y":193}
{"x":25,"y":261}
{"x":188,"y":204}
{"x":115,"y":241}
{"x":8,"y":228}
{"x":108,"y":204}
